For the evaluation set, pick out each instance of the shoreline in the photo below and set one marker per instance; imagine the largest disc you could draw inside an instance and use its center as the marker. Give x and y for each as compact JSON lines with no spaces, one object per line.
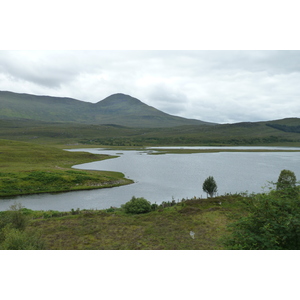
{"x":90,"y":187}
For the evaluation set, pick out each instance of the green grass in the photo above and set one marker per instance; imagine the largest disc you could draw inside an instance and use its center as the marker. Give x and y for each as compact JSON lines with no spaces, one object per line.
{"x":237,"y":221}
{"x":164,"y":229}
{"x":27,"y":168}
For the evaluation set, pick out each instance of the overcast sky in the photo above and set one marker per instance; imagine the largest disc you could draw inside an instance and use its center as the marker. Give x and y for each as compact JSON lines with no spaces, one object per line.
{"x":215,"y":86}
{"x":223,"y":86}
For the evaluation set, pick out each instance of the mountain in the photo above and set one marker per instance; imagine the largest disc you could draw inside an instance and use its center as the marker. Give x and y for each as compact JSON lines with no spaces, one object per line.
{"x":128,"y":111}
{"x":42,"y":108}
{"x":118,"y":109}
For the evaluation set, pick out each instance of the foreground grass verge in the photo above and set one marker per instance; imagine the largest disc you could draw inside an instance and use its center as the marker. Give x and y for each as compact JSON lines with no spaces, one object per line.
{"x":27,"y":168}
{"x":267,"y":221}
{"x":163,"y":229}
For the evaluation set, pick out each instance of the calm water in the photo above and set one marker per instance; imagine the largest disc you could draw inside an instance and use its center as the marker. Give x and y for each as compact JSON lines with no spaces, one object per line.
{"x":164,"y":177}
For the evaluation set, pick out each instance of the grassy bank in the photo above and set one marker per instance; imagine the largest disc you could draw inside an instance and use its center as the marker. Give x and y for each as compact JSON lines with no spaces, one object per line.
{"x":29,"y":168}
{"x":165,"y":228}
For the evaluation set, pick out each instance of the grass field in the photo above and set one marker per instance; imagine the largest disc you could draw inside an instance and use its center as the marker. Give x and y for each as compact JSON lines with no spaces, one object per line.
{"x":265,"y":221}
{"x":164,"y":229}
{"x":27,"y":168}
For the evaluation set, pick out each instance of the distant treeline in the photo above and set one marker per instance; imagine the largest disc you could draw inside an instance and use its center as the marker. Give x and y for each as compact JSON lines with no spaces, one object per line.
{"x":285,"y":128}
{"x":178,"y":141}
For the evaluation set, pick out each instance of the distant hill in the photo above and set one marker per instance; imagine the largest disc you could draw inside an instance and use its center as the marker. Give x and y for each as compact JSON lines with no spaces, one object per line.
{"x":118,"y":109}
{"x":283,"y":132}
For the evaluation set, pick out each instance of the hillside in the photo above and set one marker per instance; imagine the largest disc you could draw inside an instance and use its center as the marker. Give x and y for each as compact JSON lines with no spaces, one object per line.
{"x":121,"y":120}
{"x":42,"y":108}
{"x":118,"y":109}
{"x":277,"y":132}
{"x":125,"y":110}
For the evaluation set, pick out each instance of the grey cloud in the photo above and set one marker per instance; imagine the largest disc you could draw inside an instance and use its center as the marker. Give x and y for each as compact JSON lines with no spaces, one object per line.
{"x":170,"y":104}
{"x":46,"y":68}
{"x":215,"y":86}
{"x":272,"y":62}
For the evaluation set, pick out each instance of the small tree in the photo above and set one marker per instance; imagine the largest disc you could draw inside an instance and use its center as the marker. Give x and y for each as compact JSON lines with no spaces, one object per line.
{"x":286,"y":180}
{"x":209,"y":186}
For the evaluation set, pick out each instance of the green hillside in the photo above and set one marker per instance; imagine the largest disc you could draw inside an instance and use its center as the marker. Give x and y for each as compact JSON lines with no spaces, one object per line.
{"x":121,"y":120}
{"x":42,"y":108}
{"x":255,"y":134}
{"x":116,"y":109}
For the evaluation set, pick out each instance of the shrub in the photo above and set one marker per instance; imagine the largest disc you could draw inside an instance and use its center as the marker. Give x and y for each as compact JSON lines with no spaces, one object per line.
{"x":137,"y":206}
{"x":13,"y":235}
{"x":75,"y":212}
{"x":167,"y":203}
{"x":15,"y":216}
{"x":154,"y":206}
{"x":111,"y":209}
{"x":272,"y":223}
{"x":15,"y":239}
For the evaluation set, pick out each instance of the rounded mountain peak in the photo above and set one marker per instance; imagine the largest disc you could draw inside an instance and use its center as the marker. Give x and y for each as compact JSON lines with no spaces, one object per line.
{"x":119,"y":98}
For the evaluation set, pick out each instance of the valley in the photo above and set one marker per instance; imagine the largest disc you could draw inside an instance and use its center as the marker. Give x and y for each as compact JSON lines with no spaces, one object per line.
{"x":34,"y":130}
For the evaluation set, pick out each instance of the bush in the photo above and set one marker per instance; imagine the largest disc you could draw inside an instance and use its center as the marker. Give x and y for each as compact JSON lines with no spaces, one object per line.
{"x":15,"y":216}
{"x":14,"y":239}
{"x":272,"y":223}
{"x":111,"y":209}
{"x":13,"y":235}
{"x":75,"y":212}
{"x":137,"y":206}
{"x":154,"y":206}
